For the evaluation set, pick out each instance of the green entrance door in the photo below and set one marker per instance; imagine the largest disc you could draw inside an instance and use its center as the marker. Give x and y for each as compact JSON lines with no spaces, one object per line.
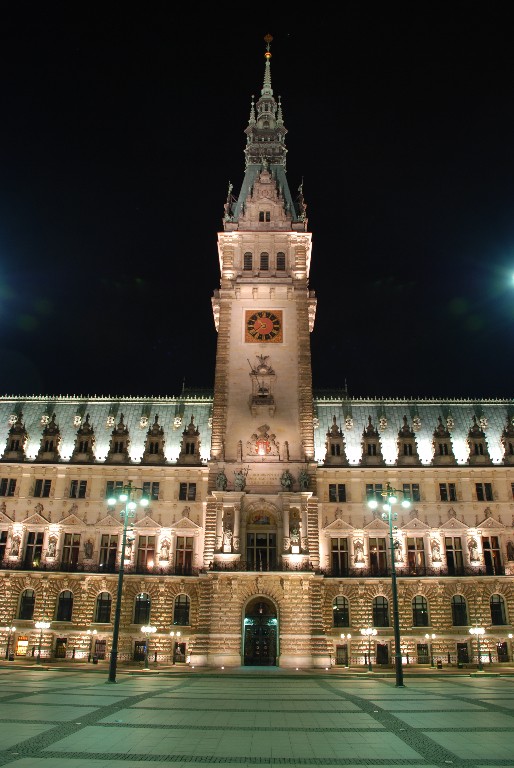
{"x":260,"y":635}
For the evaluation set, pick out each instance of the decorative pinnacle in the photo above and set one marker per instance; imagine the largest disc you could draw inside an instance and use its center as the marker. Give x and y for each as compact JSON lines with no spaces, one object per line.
{"x":268,"y":39}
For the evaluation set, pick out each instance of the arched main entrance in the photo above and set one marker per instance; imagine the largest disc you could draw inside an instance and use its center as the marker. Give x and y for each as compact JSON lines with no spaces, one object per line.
{"x":260,"y":633}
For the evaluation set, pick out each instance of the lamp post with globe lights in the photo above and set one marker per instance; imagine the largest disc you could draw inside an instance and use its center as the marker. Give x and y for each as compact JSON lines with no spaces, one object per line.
{"x":41,"y":625}
{"x":369,"y":632}
{"x":130,"y":497}
{"x":10,"y":630}
{"x":390,"y":498}
{"x":478,"y":632}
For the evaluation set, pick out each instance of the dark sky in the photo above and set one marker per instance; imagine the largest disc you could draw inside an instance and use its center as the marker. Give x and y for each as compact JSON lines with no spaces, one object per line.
{"x":122,"y":125}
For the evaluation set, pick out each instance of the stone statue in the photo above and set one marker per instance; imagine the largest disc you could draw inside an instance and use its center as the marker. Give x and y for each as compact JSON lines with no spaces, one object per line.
{"x":51,"y":548}
{"x":221,"y":481}
{"x":436,"y":551}
{"x":15,"y":545}
{"x":303,"y":480}
{"x":227,"y":538}
{"x":510,"y":550}
{"x":165,"y":550}
{"x":358,"y":551}
{"x":286,"y":480}
{"x":240,"y":479}
{"x":473,"y":549}
{"x":88,"y":549}
{"x":398,"y":556}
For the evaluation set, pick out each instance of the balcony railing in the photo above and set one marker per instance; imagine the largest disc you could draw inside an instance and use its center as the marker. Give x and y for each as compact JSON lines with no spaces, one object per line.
{"x":177,"y":570}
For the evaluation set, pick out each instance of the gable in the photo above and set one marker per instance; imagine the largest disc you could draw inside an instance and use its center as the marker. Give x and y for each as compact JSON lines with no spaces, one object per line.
{"x":36,"y":520}
{"x":337,"y":526}
{"x":146,"y":522}
{"x":71,"y":520}
{"x":415,"y":525}
{"x":109,"y":522}
{"x":185,"y":524}
{"x":490,"y":524}
{"x":377,"y":525}
{"x":453,"y":525}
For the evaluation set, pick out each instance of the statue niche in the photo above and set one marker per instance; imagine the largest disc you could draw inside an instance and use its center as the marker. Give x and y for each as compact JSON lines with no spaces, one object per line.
{"x":262,"y":377}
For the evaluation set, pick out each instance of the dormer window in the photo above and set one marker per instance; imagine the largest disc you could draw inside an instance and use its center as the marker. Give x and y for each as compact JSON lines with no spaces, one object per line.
{"x":247,"y":262}
{"x":264,"y":216}
{"x":264,"y":264}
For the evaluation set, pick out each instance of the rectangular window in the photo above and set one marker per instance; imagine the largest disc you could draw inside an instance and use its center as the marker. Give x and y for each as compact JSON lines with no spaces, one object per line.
{"x":447,"y":492}
{"x":184,"y":555}
{"x":33,"y":549}
{"x":78,"y":489}
{"x":484,"y":491}
{"x":374,"y":492}
{"x":377,"y":556}
{"x":512,"y":489}
{"x":416,"y":554}
{"x":42,"y":488}
{"x":454,"y":557}
{"x":71,"y":548}
{"x":112,"y":487}
{"x":7,"y":486}
{"x":187,"y":492}
{"x":151,"y":491}
{"x":3,"y":544}
{"x":411,"y":492}
{"x":281,"y":262}
{"x":108,"y":550}
{"x":337,"y":492}
{"x":145,"y":552}
{"x":339,"y":557}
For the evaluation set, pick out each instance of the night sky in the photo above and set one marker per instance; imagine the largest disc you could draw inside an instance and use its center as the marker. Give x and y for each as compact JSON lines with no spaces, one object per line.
{"x":122,"y":125}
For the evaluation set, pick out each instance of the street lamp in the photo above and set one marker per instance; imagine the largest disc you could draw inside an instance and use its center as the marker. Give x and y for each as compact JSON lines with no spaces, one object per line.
{"x":91,"y":634}
{"x":10,"y":631}
{"x":174,"y":635}
{"x":41,"y":625}
{"x":347,"y":637}
{"x":147,"y":631}
{"x":125,"y":496}
{"x":478,"y":632}
{"x":390,"y":496}
{"x":431,"y":638}
{"x":369,"y":632}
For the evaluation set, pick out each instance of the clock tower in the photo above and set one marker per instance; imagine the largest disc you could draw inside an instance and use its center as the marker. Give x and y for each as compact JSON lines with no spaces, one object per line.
{"x":264,"y":311}
{"x":262,"y":450}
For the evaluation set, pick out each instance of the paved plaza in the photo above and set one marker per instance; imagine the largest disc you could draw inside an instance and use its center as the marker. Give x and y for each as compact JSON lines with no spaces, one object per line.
{"x":75,"y":719}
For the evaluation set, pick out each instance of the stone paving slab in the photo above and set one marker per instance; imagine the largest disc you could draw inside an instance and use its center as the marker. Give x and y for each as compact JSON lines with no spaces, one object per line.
{"x":78,"y":720}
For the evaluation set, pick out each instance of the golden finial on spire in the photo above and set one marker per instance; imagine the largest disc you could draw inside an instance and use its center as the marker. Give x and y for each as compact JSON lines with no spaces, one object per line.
{"x":268,"y":39}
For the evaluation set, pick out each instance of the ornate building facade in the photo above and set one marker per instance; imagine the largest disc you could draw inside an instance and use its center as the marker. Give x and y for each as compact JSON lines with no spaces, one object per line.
{"x":258,"y":546}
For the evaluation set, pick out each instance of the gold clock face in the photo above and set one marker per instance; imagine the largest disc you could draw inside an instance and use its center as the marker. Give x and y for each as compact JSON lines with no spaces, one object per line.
{"x":263,"y":326}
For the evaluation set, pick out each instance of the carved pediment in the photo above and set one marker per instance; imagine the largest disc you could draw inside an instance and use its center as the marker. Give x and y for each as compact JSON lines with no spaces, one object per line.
{"x":71,"y":520}
{"x":453,"y":525}
{"x":489,"y":523}
{"x":5,"y":518}
{"x":415,"y":524}
{"x":338,"y":525}
{"x":36,"y":519}
{"x":147,"y":522}
{"x":109,"y":522}
{"x":377,"y":525}
{"x":185,"y":524}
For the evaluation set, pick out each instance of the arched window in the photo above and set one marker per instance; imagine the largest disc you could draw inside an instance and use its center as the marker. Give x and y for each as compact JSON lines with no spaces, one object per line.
{"x":498,"y":615}
{"x":419,"y":611}
{"x":142,"y":608}
{"x":459,"y":611}
{"x":103,"y":608}
{"x":281,"y":261}
{"x":380,"y":612}
{"x":27,"y":603}
{"x":341,"y":612}
{"x":264,"y":265}
{"x":181,"y":610}
{"x":64,"y":606}
{"x":247,"y":262}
